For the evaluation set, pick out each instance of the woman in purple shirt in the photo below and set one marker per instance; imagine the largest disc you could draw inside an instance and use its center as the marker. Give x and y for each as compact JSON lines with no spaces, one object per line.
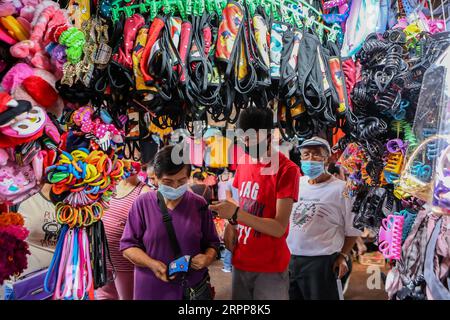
{"x":145,"y":241}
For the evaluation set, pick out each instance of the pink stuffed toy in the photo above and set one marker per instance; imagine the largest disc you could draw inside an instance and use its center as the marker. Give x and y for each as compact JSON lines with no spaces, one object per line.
{"x":46,"y":94}
{"x":53,"y":102}
{"x":15,"y":76}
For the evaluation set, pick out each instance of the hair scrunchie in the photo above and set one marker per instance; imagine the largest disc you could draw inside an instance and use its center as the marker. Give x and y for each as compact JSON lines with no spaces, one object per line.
{"x":74,"y":40}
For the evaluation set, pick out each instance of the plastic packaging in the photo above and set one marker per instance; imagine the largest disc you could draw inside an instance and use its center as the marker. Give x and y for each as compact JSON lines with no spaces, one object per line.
{"x":427,"y":169}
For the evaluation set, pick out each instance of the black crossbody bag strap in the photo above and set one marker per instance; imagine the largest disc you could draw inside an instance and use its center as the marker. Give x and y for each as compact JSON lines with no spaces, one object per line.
{"x":99,"y":255}
{"x":106,"y":253}
{"x":167,"y":219}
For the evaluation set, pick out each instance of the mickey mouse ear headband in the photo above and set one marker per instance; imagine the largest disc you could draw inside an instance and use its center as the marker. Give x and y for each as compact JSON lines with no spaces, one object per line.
{"x":10,"y":109}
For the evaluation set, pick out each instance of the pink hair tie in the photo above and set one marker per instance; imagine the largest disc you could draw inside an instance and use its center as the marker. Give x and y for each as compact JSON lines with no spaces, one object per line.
{"x":68,"y":268}
{"x":87,"y":262}
{"x":62,"y":265}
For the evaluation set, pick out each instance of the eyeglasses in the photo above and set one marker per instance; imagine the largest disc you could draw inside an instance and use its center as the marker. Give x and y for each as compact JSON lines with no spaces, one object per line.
{"x":312,"y":156}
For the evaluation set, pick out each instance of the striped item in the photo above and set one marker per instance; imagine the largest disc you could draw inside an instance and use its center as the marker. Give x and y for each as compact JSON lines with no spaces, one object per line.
{"x":114,"y":221}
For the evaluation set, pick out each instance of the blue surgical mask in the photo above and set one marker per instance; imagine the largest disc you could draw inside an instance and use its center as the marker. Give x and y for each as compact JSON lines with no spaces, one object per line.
{"x":313,"y":169}
{"x":172,"y":193}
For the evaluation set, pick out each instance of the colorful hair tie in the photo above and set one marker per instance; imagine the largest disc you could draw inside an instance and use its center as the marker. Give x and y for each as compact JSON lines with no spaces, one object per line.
{"x":74,"y":40}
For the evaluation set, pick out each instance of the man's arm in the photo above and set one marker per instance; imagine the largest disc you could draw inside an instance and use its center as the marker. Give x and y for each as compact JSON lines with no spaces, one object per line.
{"x":340,"y":265}
{"x":349,"y":242}
{"x":229,"y":196}
{"x":275,"y":227}
{"x":230,"y":237}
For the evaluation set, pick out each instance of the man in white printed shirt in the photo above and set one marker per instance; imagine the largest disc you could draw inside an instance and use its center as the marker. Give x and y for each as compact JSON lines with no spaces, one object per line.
{"x":321,"y":233}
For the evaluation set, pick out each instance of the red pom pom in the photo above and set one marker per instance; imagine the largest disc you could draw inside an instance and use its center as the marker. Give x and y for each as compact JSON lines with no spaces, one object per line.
{"x":41,"y":91}
{"x":4,"y":99}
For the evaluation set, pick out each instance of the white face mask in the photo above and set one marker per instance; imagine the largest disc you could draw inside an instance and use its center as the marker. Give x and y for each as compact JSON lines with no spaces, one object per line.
{"x":172,"y":193}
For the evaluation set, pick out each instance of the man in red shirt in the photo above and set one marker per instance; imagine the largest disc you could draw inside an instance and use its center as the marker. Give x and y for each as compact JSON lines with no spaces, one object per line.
{"x":259,"y":225}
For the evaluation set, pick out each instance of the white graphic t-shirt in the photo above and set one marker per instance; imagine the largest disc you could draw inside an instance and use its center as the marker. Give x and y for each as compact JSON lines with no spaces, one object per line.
{"x":321,"y":219}
{"x":39,"y":216}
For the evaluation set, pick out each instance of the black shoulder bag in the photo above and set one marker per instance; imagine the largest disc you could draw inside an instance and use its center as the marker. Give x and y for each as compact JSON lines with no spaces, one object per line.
{"x":203,"y":290}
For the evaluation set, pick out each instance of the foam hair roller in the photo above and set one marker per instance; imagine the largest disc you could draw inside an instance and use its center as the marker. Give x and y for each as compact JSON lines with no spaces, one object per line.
{"x":390,"y":236}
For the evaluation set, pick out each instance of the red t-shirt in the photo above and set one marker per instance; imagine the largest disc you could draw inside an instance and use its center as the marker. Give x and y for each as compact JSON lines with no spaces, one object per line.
{"x":258,"y":194}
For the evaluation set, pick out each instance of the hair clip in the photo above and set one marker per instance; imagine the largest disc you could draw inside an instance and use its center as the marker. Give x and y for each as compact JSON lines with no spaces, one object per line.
{"x":421,"y":171}
{"x":409,"y":218}
{"x":390,"y":236}
{"x":396,"y":145}
{"x":393,"y":166}
{"x":432,"y":147}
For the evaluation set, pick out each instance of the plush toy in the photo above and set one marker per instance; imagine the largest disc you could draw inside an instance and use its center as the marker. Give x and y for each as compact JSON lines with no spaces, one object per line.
{"x":15,"y":76}
{"x":34,"y":85}
{"x":12,"y":110}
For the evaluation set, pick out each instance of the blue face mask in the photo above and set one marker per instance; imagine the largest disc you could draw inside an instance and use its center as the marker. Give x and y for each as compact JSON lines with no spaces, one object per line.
{"x":172,"y":193}
{"x":313,"y":169}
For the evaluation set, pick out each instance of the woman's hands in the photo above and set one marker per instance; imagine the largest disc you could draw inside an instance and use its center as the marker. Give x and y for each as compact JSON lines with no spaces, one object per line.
{"x":159,"y":269}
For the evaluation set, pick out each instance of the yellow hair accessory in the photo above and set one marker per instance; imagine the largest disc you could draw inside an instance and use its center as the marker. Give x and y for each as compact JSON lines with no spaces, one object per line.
{"x":14,"y":28}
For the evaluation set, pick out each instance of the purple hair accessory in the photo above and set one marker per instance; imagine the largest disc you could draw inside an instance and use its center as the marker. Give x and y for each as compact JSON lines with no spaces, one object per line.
{"x":396,"y":145}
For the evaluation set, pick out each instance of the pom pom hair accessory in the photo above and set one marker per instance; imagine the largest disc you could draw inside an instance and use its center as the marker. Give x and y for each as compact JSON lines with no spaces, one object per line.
{"x":14,"y":249}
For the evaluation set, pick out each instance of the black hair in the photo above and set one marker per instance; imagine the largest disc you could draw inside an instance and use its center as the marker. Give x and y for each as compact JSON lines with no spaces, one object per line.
{"x":256,"y":118}
{"x":163,"y":164}
{"x":199,"y":176}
